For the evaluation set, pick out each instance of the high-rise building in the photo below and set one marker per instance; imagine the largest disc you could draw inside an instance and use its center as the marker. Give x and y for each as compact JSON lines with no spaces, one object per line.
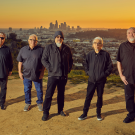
{"x":51,"y":26}
{"x":64,"y":26}
{"x":10,"y":29}
{"x":56,"y":25}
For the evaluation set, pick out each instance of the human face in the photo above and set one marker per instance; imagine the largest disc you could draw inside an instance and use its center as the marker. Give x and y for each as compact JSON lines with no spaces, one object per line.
{"x":59,"y":39}
{"x":32,"y":41}
{"x":2,"y":39}
{"x":97,"y":45}
{"x":131,"y":35}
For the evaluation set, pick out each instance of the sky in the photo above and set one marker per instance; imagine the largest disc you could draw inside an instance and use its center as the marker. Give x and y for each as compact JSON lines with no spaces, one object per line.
{"x":83,"y":13}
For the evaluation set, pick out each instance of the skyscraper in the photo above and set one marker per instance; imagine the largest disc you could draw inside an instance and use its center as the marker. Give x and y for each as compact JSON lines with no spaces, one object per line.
{"x":56,"y":25}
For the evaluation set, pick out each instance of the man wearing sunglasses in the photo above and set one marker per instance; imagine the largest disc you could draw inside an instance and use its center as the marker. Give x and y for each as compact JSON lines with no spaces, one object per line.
{"x":6,"y":65}
{"x":29,"y":58}
{"x":57,"y":59}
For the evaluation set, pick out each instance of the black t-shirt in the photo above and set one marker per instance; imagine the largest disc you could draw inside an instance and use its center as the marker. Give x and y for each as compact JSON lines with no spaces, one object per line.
{"x":31,"y":60}
{"x":126,"y":55}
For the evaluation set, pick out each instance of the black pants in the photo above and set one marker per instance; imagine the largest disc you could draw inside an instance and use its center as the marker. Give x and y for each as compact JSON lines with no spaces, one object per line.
{"x":90,"y":92}
{"x":3,"y":85}
{"x":129,"y":97}
{"x":60,"y":82}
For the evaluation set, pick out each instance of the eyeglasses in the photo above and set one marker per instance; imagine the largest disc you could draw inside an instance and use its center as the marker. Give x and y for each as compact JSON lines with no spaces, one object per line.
{"x":2,"y":38}
{"x":96,"y":43}
{"x":58,"y":37}
{"x":32,"y":40}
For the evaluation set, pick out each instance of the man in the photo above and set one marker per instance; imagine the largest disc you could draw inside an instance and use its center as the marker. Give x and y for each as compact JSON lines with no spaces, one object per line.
{"x":126,"y":68}
{"x":29,"y":58}
{"x":57,"y":59}
{"x":98,"y":66}
{"x":6,"y":65}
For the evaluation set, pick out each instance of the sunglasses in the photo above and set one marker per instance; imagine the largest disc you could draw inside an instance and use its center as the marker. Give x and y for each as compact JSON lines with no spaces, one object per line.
{"x":58,"y":37}
{"x":2,"y":38}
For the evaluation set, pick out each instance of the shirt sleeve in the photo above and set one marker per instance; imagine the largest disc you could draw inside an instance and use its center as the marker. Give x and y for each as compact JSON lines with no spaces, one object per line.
{"x":19,"y":57}
{"x":118,"y":55}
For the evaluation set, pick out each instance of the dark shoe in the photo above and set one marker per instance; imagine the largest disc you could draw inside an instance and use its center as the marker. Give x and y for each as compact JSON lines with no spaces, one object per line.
{"x":128,"y":120}
{"x":62,"y":113}
{"x":45,"y":117}
{"x":3,"y":107}
{"x":82,"y":117}
{"x":99,"y":117}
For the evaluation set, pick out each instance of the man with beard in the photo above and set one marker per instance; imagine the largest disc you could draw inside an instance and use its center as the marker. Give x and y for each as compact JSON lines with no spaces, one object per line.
{"x":57,"y":59}
{"x":98,"y":66}
{"x":6,"y":65}
{"x":126,"y":68}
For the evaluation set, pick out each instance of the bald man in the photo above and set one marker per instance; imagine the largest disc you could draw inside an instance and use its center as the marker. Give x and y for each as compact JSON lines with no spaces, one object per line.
{"x":29,"y":58}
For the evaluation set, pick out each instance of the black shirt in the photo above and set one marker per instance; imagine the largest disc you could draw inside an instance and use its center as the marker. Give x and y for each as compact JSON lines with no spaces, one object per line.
{"x":31,"y":60}
{"x":98,"y":66}
{"x":58,"y":63}
{"x":6,"y":63}
{"x":126,"y":55}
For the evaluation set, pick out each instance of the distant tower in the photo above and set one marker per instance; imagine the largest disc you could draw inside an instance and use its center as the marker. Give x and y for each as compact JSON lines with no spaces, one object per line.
{"x":41,"y":27}
{"x":64,"y":26}
{"x":10,"y":29}
{"x":56,"y":25}
{"x":20,"y":29}
{"x":51,"y":26}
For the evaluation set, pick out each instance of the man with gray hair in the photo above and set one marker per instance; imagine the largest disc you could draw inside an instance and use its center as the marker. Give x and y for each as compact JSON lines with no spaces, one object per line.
{"x":29,"y":58}
{"x":126,"y":68}
{"x":6,"y":65}
{"x":98,"y":66}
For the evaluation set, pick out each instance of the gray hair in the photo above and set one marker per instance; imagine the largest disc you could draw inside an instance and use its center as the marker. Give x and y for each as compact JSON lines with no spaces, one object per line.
{"x":133,"y":28}
{"x":34,"y":36}
{"x":2,"y":33}
{"x":99,"y":38}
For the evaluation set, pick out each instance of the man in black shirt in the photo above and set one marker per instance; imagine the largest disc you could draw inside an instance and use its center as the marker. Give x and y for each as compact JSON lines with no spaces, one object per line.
{"x":126,"y":68}
{"x":29,"y":58}
{"x":98,"y":66}
{"x":6,"y":65}
{"x":57,"y":59}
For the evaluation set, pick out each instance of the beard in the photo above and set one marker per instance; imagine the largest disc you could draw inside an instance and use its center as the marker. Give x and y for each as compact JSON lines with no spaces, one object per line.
{"x":132,"y":39}
{"x":58,"y":44}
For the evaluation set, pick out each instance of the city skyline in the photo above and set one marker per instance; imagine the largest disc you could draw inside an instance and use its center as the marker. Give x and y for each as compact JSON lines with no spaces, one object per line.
{"x":83,"y":13}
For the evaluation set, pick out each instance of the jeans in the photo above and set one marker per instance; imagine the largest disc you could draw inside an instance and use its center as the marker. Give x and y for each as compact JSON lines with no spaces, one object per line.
{"x":51,"y":85}
{"x":3,"y":85}
{"x":27,"y":90}
{"x":129,"y":97}
{"x":90,"y":92}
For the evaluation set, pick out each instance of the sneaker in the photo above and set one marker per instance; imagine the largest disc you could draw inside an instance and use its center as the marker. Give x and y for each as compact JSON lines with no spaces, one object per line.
{"x":45,"y":117}
{"x":40,"y":107}
{"x":82,"y":117}
{"x":27,"y":107}
{"x":99,"y":117}
{"x":62,"y":113}
{"x":128,"y":120}
{"x":3,"y":107}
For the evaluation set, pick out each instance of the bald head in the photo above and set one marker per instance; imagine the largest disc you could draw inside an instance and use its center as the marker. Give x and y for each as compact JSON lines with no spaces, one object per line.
{"x":32,"y":41}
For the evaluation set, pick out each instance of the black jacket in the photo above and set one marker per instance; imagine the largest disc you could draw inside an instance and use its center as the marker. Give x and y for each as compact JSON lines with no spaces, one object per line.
{"x":98,"y":66}
{"x":53,"y":60}
{"x":6,"y":63}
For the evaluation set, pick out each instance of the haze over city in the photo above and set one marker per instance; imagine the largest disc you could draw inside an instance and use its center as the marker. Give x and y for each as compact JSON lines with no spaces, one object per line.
{"x":83,"y":13}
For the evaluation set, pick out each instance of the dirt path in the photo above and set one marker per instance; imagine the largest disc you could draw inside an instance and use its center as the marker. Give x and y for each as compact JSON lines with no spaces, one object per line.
{"x":14,"y":121}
